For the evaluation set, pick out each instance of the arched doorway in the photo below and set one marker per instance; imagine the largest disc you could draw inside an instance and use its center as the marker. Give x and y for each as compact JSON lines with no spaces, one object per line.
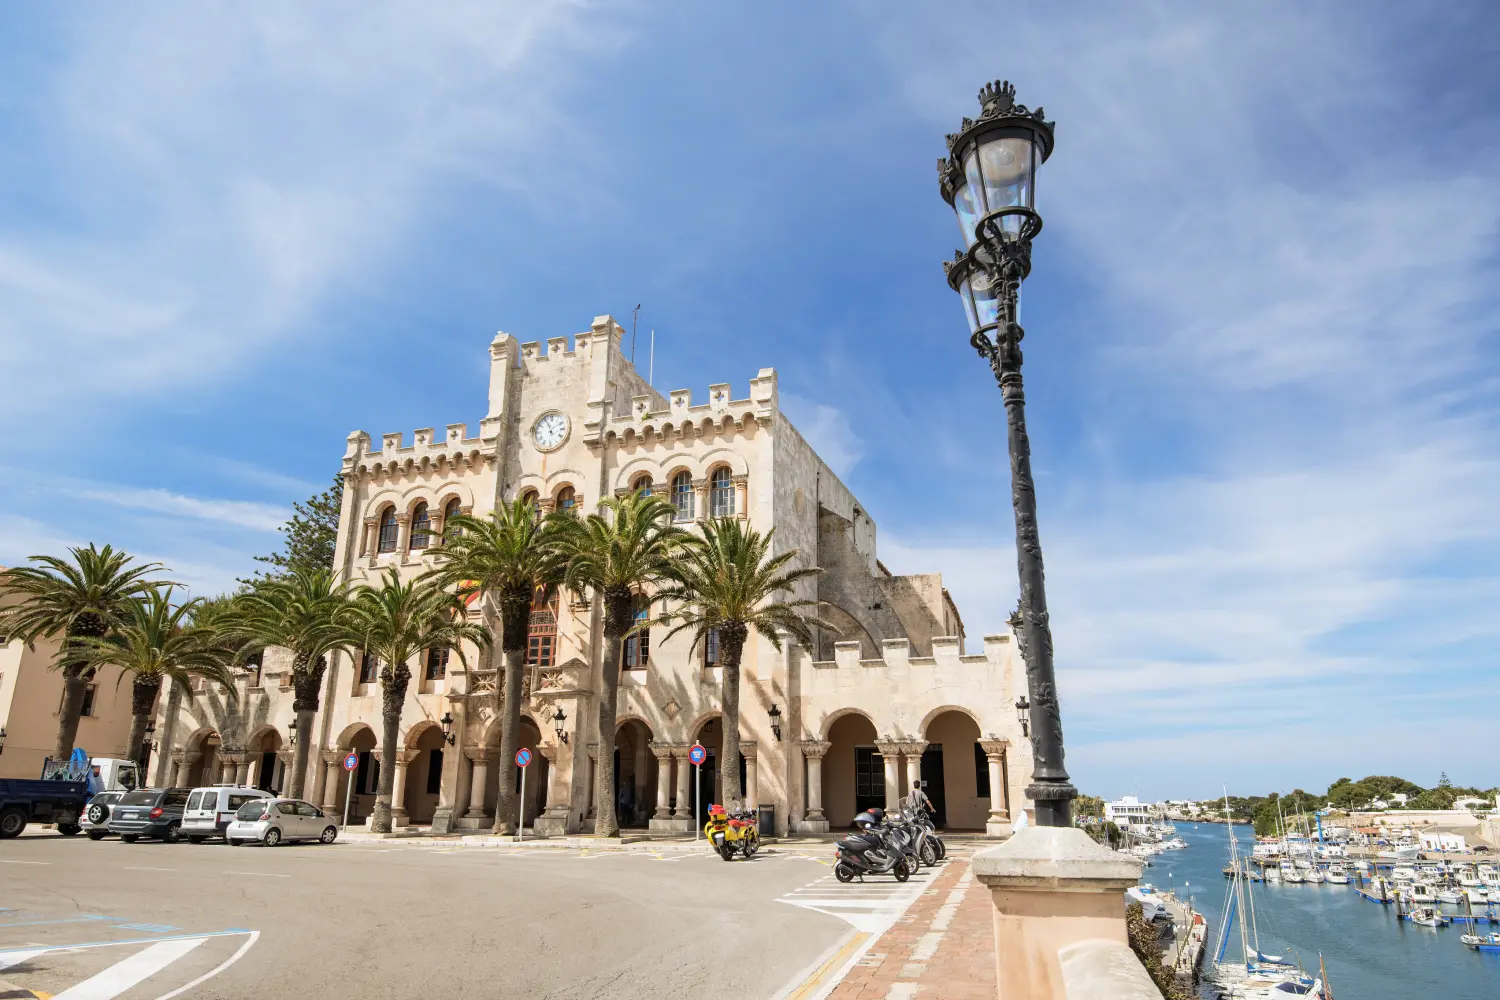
{"x":424,"y":775}
{"x":635,"y":774}
{"x":205,"y":770}
{"x":711,"y":735}
{"x":361,"y":740}
{"x":536,"y":771}
{"x":267,"y":768}
{"x":853,"y":771}
{"x":955,"y":772}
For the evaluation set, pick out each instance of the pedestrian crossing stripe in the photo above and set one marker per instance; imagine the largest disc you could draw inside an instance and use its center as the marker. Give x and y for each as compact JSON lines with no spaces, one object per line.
{"x":158,"y":954}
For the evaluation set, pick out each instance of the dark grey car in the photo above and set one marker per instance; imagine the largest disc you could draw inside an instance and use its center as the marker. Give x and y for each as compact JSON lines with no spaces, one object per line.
{"x":149,"y":812}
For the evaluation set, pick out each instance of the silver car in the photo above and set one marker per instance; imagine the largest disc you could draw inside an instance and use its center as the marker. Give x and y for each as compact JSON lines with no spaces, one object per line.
{"x":272,"y":821}
{"x":96,"y":815}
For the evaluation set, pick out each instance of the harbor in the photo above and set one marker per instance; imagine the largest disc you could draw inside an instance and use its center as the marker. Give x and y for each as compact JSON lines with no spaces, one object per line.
{"x":1368,"y":952}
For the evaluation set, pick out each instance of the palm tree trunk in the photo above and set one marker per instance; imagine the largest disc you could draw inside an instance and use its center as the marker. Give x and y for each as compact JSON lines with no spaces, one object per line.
{"x":732,"y":645}
{"x":142,"y":703}
{"x":307,"y":678}
{"x":507,"y":804}
{"x":76,"y":677}
{"x":617,"y":621}
{"x":393,"y":694}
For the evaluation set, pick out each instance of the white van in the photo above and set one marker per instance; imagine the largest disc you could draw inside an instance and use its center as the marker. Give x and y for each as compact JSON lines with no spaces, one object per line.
{"x":210,"y":810}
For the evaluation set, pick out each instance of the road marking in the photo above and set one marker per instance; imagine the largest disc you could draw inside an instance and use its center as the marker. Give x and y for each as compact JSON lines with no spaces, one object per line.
{"x":7,"y":955}
{"x":261,"y":874}
{"x":132,"y":971}
{"x":830,"y":971}
{"x":134,"y":868}
{"x":25,"y":862}
{"x":254,"y":936}
{"x":67,"y":920}
{"x":9,"y":958}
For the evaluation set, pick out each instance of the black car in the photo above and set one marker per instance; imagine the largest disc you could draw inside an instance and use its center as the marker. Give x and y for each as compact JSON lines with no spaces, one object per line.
{"x":149,"y":812}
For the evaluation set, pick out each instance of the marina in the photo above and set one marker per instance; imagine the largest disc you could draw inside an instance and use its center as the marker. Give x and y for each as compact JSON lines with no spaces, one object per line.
{"x":1369,"y":952}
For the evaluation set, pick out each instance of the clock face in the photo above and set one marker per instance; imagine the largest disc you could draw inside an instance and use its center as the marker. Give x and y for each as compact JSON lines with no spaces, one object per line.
{"x":550,"y":431}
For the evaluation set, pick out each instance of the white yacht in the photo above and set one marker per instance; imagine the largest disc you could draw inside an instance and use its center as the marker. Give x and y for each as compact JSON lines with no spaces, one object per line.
{"x":1337,"y":875}
{"x":1421,"y":892}
{"x":1450,"y":895}
{"x":1314,"y":876}
{"x":1481,"y":896}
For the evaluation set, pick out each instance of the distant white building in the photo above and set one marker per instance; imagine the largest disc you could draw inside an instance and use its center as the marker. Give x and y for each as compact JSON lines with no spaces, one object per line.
{"x":1473,"y":803}
{"x":1129,"y":811}
{"x":1443,"y":842}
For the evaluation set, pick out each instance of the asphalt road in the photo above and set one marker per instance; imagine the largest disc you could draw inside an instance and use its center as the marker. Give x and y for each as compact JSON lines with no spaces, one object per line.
{"x":80,"y":919}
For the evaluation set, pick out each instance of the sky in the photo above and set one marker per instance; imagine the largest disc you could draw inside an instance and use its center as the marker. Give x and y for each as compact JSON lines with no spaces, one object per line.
{"x":1262,"y":360}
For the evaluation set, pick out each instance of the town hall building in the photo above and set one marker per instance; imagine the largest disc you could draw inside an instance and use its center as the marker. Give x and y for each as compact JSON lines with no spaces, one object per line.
{"x":825,"y":732}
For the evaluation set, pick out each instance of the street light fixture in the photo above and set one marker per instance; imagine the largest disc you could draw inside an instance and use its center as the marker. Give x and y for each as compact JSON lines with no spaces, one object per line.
{"x":447,"y":723}
{"x":989,"y":180}
{"x":774,"y":714}
{"x":559,"y":718}
{"x":1023,"y":714}
{"x":291,"y":729}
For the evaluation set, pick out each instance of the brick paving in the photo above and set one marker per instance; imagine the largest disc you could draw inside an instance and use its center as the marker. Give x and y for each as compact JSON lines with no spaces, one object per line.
{"x":942,"y":948}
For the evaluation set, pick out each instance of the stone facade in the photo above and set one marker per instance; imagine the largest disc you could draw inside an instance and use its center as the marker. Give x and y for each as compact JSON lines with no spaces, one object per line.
{"x":859,"y":715}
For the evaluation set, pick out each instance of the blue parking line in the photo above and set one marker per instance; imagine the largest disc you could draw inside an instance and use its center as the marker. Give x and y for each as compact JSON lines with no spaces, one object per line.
{"x":36,"y":923}
{"x":152,"y":940}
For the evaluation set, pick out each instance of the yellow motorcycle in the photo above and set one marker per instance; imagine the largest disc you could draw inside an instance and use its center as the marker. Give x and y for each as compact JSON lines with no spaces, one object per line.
{"x":732,"y":833}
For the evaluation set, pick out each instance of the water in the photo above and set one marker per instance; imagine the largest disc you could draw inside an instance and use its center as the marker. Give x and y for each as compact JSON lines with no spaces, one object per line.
{"x":1369,"y":954}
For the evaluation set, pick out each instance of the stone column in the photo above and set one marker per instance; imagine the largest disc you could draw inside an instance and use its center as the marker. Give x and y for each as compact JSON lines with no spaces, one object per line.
{"x":814,"y":750}
{"x":403,"y":538}
{"x":663,"y":754}
{"x":1059,"y":916}
{"x":553,"y":820}
{"x":998,"y":823}
{"x":742,"y":497}
{"x":890,"y":752}
{"x":593,"y":781}
{"x":480,"y":776}
{"x":367,"y":538}
{"x":548,"y":752}
{"x":684,"y":808}
{"x":333,"y":763}
{"x":398,"y":791}
{"x":911,"y":752}
{"x":700,"y":497}
{"x":748,"y":749}
{"x":640,"y":777}
{"x":242,"y":769}
{"x":182,"y":765}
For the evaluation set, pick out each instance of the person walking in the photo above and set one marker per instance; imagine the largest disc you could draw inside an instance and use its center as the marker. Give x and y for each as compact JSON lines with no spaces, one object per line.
{"x":919,"y":799}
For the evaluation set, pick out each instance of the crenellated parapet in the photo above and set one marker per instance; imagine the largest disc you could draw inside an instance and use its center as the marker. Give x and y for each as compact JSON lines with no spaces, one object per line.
{"x":453,"y":451}
{"x":720,"y":415}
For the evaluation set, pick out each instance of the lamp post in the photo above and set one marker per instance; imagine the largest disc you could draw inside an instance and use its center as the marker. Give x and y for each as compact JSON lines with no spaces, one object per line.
{"x":989,"y":179}
{"x":447,"y":723}
{"x":774,"y":714}
{"x":558,"y":720}
{"x":291,"y":731}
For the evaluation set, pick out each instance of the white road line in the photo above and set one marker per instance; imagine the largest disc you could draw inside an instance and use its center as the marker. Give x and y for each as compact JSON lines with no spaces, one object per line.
{"x":134,"y":868}
{"x":25,"y":862}
{"x":9,"y":958}
{"x":137,"y":968}
{"x":261,"y":874}
{"x":254,"y":937}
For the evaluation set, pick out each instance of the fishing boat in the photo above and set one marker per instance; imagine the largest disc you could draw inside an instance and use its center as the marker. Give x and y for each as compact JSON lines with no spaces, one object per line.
{"x":1481,"y":942}
{"x":1421,"y":892}
{"x":1428,"y":916}
{"x":1450,"y":895}
{"x":1337,"y":875}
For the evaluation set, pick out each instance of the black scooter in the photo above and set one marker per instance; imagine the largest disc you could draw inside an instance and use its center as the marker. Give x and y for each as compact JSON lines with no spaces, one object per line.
{"x":869,"y":853}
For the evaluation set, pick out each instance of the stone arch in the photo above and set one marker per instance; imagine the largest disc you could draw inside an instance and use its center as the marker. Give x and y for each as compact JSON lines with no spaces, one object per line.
{"x":931,"y":717}
{"x":725,"y":456}
{"x":840,"y":713}
{"x":417,"y":731}
{"x":636,"y":467}
{"x":345,"y":739}
{"x":850,"y":629}
{"x":427,"y":750}
{"x":636,"y":772}
{"x":853,"y":773}
{"x":561,"y":478}
{"x":953,"y":768}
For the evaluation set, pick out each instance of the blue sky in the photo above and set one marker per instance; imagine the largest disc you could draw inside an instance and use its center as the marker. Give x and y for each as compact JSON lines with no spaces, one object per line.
{"x":1262,"y":352}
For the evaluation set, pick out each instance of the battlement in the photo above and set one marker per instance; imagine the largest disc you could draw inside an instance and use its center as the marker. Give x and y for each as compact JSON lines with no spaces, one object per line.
{"x":559,"y":350}
{"x":681,"y":416}
{"x":453,"y":449}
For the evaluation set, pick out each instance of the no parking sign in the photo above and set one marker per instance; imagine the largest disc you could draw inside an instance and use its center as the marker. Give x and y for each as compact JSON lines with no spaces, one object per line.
{"x":523,"y":757}
{"x":697,"y":754}
{"x":351,"y":761}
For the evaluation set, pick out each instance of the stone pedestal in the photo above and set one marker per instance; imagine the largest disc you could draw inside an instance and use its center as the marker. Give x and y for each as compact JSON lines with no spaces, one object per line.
{"x":997,"y":824}
{"x":1051,"y":889}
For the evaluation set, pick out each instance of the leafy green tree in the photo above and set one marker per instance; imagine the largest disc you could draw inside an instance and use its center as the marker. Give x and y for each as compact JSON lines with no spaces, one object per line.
{"x":511,"y":557}
{"x":309,"y":537}
{"x":1089,"y":806}
{"x":1443,"y":781}
{"x":160,"y":643}
{"x":80,"y":601}
{"x":625,"y":548}
{"x":1433,"y":798}
{"x":305,"y":611}
{"x":395,"y":622}
{"x":725,"y":585}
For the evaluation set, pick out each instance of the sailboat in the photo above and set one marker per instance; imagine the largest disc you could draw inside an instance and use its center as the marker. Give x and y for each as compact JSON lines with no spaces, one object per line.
{"x":1255,"y":974}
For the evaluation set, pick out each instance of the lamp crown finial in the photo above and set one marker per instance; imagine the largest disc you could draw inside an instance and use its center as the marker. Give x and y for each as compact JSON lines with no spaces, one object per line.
{"x":997,"y":97}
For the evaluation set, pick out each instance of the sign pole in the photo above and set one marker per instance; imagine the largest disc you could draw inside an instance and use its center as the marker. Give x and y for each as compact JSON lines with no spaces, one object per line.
{"x":697,"y":798}
{"x":351,"y":761}
{"x":521,"y":824}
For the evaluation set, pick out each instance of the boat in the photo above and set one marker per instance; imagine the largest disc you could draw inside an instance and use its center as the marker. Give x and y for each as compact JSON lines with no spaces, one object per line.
{"x":1478,"y":895}
{"x":1482,"y":942}
{"x":1468,"y":879}
{"x":1403,"y":873}
{"x":1313,"y":875}
{"x":1273,"y":873}
{"x":1421,"y":892}
{"x":1399,"y":852}
{"x":1428,"y":916}
{"x":1337,"y":875}
{"x":1450,"y":895}
{"x":1292,"y":876}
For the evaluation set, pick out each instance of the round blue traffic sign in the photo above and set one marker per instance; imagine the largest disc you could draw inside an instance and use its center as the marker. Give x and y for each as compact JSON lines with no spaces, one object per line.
{"x":523,"y":757}
{"x":697,"y":754}
{"x":351,"y":761}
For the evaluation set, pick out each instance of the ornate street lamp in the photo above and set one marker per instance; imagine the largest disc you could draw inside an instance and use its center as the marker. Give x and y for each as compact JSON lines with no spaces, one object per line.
{"x":1023,"y":715}
{"x":559,"y":718}
{"x":447,"y":723}
{"x":291,"y":731}
{"x":989,"y":179}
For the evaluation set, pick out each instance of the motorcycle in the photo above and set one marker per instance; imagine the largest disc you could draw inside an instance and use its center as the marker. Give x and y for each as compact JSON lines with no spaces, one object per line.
{"x":930,"y":847}
{"x":732,"y":832}
{"x":872,"y":851}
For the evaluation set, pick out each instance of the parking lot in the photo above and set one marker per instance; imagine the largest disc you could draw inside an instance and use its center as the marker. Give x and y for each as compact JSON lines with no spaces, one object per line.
{"x":150,"y":920}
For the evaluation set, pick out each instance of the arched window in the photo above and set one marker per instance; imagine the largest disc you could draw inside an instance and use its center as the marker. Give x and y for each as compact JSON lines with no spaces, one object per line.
{"x":533,"y":499}
{"x":388,"y":530}
{"x":642,"y":484}
{"x":682,"y":496}
{"x":541,"y":634}
{"x":437,"y":663}
{"x":567,"y":498}
{"x":421,"y":527}
{"x":453,"y":508}
{"x":638,"y":646}
{"x":721,"y":493}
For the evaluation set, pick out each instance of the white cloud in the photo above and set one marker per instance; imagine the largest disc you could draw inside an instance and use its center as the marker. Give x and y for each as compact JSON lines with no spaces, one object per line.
{"x":828,"y":430}
{"x":241,"y":513}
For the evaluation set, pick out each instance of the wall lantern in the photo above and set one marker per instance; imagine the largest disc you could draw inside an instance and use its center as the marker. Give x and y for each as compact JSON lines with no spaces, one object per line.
{"x":291,"y":729}
{"x":558,"y":719}
{"x":774,"y":714}
{"x":447,"y":723}
{"x":1023,"y":713}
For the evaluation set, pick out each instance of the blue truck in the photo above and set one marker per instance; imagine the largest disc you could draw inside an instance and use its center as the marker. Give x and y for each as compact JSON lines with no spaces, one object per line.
{"x":59,"y":795}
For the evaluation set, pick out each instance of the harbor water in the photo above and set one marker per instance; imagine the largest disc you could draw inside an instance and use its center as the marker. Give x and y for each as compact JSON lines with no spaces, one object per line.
{"x":1369,"y":954}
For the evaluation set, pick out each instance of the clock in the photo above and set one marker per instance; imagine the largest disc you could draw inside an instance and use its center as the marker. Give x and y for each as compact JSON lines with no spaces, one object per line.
{"x":550,"y":431}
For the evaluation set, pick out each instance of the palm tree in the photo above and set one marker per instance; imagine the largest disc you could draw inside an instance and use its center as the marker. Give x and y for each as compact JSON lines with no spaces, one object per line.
{"x":79,"y":600}
{"x":306,"y":611}
{"x":512,"y":557}
{"x":160,"y":642}
{"x":727,"y":585}
{"x":395,"y":622}
{"x":615,"y":557}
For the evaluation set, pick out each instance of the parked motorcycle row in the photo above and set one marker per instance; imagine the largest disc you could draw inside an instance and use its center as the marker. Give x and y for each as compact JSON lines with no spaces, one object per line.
{"x":889,"y":844}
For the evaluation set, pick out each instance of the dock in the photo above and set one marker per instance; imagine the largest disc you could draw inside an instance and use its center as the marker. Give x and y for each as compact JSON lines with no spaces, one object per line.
{"x":1372,"y":897}
{"x":1184,"y":955}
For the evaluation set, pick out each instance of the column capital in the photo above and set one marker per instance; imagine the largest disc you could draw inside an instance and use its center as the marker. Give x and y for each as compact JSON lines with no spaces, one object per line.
{"x":814,"y":748}
{"x":914,"y":748}
{"x":334,"y":756}
{"x":548,"y":750}
{"x":593,"y":751}
{"x":749,"y":749}
{"x":403,"y":757}
{"x":186,"y":756}
{"x":994,"y":749}
{"x":287,"y":754}
{"x":890,"y":748}
{"x":661,"y":751}
{"x":235,"y":757}
{"x":481,"y":754}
